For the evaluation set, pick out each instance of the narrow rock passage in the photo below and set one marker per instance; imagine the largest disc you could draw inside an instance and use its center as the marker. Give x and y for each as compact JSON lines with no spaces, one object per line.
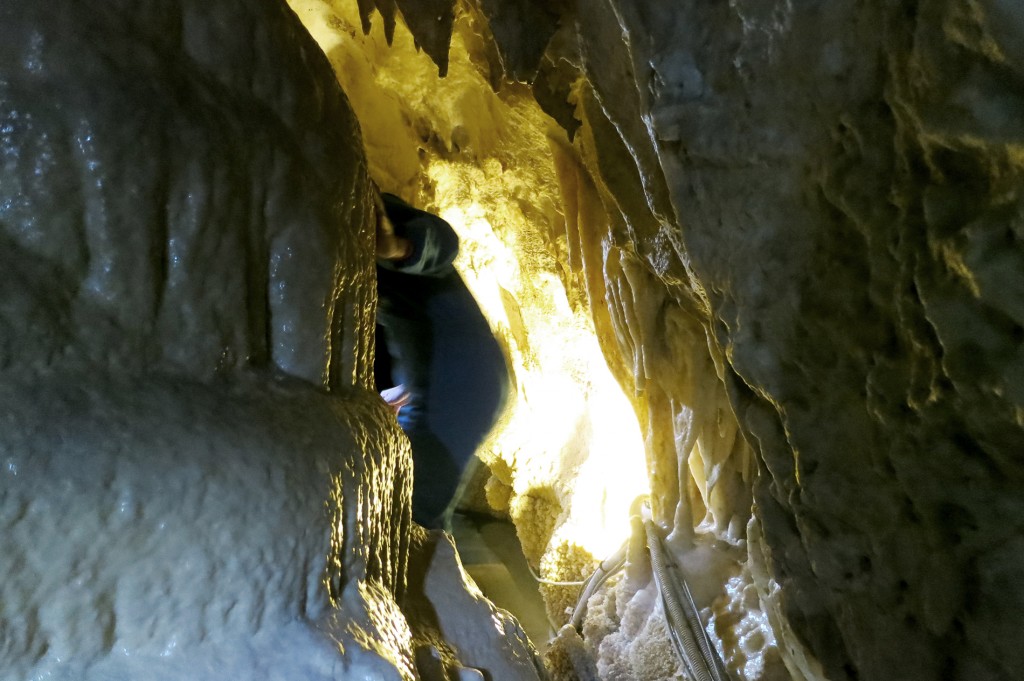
{"x":491,"y":554}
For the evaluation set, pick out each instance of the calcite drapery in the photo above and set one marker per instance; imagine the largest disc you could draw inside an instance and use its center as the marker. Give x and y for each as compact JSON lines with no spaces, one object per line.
{"x":823,"y":200}
{"x":196,"y":481}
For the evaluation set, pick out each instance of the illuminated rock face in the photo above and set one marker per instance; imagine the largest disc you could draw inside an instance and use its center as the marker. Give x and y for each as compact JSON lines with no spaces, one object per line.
{"x":843,"y":185}
{"x":161,"y":528}
{"x":171,"y":198}
{"x":805,"y":222}
{"x":195,"y":483}
{"x":795,"y":230}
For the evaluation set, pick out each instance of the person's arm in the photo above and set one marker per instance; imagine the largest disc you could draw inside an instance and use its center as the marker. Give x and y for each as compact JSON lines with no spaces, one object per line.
{"x":413,"y":241}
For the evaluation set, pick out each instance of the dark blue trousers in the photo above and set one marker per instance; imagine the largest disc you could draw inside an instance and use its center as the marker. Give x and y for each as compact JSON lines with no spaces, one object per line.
{"x":441,"y":348}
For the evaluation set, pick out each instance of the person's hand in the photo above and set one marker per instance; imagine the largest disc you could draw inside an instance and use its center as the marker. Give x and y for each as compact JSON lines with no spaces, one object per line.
{"x":396,"y":397}
{"x":390,"y":246}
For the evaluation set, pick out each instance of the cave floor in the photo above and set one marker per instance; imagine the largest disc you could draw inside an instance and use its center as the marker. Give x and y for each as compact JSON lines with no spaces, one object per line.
{"x":491,"y":554}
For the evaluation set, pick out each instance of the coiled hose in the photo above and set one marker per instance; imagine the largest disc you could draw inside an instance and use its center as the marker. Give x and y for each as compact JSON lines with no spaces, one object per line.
{"x":688,"y":635}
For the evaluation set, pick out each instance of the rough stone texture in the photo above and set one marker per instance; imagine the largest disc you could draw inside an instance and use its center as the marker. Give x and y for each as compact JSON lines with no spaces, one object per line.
{"x":171,"y":194}
{"x":801,"y":220}
{"x":195,"y":482}
{"x":568,"y":459}
{"x":429,"y":21}
{"x":548,"y":248}
{"x":455,"y":624}
{"x":522,"y":30}
{"x":841,"y":183}
{"x":798,"y":228}
{"x":166,"y":529}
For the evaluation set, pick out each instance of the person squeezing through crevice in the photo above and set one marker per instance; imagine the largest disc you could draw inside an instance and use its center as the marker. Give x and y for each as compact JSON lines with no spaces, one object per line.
{"x":452,"y":380}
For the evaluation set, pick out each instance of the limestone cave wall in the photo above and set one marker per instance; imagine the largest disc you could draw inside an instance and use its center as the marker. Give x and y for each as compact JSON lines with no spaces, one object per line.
{"x":195,"y":478}
{"x":758,"y":261}
{"x":803,"y":219}
{"x":839,"y":184}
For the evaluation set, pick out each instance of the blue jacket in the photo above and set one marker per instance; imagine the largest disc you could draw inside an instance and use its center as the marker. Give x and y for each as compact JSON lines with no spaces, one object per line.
{"x":442,"y":349}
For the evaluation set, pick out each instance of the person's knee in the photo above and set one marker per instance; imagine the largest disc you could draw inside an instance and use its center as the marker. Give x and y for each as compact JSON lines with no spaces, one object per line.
{"x":436,"y":476}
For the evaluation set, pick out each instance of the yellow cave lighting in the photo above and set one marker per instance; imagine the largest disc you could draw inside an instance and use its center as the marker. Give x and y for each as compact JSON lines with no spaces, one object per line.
{"x":571,"y":429}
{"x":482,"y":160}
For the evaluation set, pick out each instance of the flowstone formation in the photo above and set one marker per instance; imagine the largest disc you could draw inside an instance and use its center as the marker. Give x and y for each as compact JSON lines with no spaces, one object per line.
{"x":580,"y":317}
{"x":798,"y":231}
{"x":792,"y":229}
{"x":841,"y":185}
{"x":196,"y":481}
